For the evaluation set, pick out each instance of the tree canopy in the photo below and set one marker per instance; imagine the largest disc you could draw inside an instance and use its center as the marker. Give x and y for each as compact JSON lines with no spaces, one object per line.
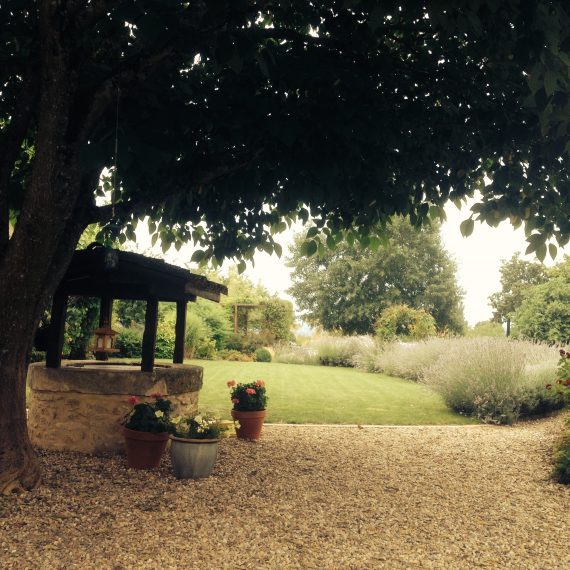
{"x":517,"y":275}
{"x":224,"y":120}
{"x":544,"y":313}
{"x":348,"y":288}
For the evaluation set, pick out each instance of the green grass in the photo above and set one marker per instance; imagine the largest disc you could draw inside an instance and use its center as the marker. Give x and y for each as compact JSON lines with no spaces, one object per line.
{"x":326,"y":395}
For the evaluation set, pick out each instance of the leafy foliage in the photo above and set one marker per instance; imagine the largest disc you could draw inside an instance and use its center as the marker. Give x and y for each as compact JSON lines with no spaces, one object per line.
{"x":347,"y":289}
{"x":562,"y":457}
{"x":544,"y":314}
{"x":199,"y":426}
{"x":400,"y":321}
{"x":495,"y":380}
{"x":486,"y":328}
{"x":248,"y":397}
{"x":130,"y":312}
{"x":153,"y":417}
{"x":517,"y":275}
{"x":262,"y":355}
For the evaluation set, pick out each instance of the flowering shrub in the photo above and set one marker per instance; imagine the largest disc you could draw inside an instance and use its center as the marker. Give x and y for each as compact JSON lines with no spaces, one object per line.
{"x":200,"y":426}
{"x":153,"y":417}
{"x":248,"y":397}
{"x":562,"y":386}
{"x":562,"y":458}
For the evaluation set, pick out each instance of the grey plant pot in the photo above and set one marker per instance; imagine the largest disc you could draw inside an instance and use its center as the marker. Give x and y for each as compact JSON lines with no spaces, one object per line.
{"x":193,"y":458}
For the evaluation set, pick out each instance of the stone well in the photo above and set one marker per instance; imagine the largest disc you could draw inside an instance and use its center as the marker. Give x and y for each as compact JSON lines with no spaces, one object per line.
{"x":78,"y":407}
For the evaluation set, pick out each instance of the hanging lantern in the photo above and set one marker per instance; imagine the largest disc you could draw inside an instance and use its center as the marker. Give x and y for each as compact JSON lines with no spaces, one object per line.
{"x":105,"y":340}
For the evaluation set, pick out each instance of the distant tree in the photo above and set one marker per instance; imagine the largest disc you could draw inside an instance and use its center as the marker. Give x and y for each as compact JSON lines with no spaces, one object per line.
{"x":348,"y":288}
{"x":544,"y":313}
{"x":400,"y":321}
{"x":130,"y":312}
{"x":486,"y":328}
{"x":276,"y":319}
{"x":517,"y":275}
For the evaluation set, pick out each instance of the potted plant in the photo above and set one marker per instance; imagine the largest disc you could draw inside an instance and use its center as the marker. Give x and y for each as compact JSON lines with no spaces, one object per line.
{"x":146,"y":429}
{"x":249,"y":403}
{"x":194,"y":447}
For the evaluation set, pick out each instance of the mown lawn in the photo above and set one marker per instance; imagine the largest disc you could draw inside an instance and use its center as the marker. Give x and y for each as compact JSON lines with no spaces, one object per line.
{"x":326,"y":395}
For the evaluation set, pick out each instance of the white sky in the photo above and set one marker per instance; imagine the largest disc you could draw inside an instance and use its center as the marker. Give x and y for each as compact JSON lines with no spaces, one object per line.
{"x":478,"y":259}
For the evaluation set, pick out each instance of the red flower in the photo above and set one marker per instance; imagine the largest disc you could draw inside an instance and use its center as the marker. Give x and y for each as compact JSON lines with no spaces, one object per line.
{"x":567,"y":381}
{"x":548,"y":386}
{"x":562,"y":352}
{"x":231,"y":383}
{"x":235,"y":401}
{"x":559,"y":381}
{"x":250,"y":391}
{"x":157,"y":395}
{"x":133,"y":400}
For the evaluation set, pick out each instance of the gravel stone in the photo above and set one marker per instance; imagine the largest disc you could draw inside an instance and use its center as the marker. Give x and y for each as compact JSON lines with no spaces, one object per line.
{"x":306,"y":497}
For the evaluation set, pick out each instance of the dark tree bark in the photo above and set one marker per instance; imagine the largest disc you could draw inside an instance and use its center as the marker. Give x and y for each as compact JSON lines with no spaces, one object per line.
{"x":50,"y":223}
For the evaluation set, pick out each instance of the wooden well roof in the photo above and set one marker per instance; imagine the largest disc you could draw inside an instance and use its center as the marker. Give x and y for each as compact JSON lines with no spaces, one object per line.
{"x":98,"y":271}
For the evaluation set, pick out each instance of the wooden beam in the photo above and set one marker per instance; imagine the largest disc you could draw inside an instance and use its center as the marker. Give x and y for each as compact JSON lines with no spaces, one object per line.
{"x":180,"y":330}
{"x":105,"y":319}
{"x":149,"y":335}
{"x":56,"y":330}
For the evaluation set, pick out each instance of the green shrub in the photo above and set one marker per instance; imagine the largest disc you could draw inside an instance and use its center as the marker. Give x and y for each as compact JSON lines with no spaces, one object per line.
{"x":196,"y":332}
{"x":215,"y":317}
{"x":494,"y":379}
{"x":401,"y":321}
{"x":246,"y":344}
{"x":165,"y":340}
{"x":206,"y":349}
{"x":262,"y":355}
{"x":37,"y":355}
{"x":129,"y":343}
{"x":562,"y":458}
{"x":234,"y":356}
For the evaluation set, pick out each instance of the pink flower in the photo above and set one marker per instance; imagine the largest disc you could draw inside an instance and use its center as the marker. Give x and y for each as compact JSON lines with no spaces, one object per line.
{"x":133,"y":400}
{"x":231,"y":383}
{"x":235,"y":401}
{"x":157,"y":395}
{"x":250,"y":391}
{"x":260,"y":383}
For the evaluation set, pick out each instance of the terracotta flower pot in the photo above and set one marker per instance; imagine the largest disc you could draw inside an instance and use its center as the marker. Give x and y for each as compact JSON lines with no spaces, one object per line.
{"x":250,"y":423}
{"x":193,"y":458}
{"x":144,"y":449}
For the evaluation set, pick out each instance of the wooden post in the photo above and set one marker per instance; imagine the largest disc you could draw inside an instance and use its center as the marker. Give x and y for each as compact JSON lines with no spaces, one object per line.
{"x":149,"y":335}
{"x":56,"y":330}
{"x":508,"y":326}
{"x":105,"y":319}
{"x":235,"y":318}
{"x":180,"y":330}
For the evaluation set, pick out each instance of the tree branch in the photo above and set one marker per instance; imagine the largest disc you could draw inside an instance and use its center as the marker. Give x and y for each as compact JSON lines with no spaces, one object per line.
{"x":11,"y":144}
{"x":103,"y":214}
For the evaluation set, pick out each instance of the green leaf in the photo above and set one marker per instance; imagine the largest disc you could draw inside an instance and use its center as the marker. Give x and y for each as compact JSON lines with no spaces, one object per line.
{"x":541,"y":251}
{"x":241,"y":267}
{"x":552,"y":250}
{"x":278,"y":249}
{"x":153,"y":240}
{"x":466,"y":227}
{"x":309,"y":248}
{"x":198,"y":256}
{"x":312,"y":232}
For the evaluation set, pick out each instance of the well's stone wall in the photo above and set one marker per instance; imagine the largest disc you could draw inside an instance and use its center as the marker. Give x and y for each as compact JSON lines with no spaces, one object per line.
{"x":79,"y":406}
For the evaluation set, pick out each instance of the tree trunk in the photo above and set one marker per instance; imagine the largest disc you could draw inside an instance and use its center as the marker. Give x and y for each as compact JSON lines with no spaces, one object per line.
{"x":49,"y":225}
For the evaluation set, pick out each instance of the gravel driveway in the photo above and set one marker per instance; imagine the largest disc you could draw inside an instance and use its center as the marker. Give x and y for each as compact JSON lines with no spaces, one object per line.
{"x":306,"y":497}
